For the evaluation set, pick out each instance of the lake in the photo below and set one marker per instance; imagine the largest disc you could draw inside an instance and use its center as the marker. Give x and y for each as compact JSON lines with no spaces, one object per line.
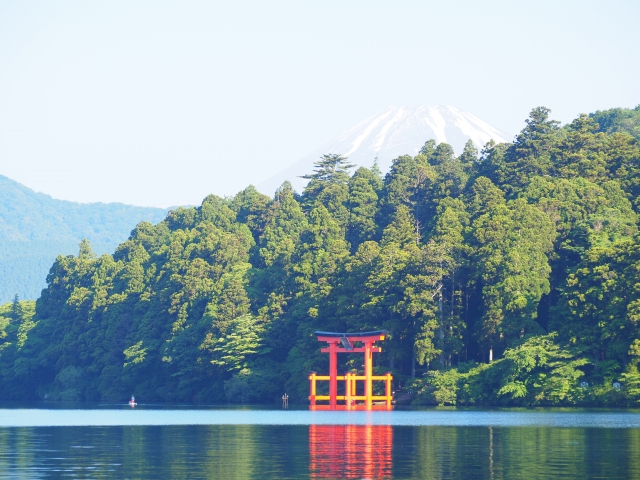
{"x":50,"y":440}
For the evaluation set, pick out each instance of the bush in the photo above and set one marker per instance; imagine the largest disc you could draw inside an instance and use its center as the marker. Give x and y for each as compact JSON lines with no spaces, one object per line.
{"x":439,"y":388}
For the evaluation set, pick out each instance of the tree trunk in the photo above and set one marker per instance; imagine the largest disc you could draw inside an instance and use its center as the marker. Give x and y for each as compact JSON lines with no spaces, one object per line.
{"x":441,"y":326}
{"x":413,"y":365}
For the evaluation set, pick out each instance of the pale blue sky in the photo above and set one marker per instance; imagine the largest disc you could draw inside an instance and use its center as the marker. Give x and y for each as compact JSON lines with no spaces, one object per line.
{"x":161,"y":103}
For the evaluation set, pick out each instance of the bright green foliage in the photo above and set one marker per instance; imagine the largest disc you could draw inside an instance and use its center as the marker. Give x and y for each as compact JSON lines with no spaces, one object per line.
{"x":484,"y":197}
{"x":252,"y":209}
{"x":328,"y":186}
{"x":16,"y":320}
{"x":449,"y":234}
{"x":584,"y":212}
{"x":618,"y":120}
{"x":322,"y":250}
{"x":530,"y":154}
{"x":235,"y":348}
{"x":364,"y":188}
{"x":528,"y":253}
{"x":537,"y":372}
{"x":442,"y":154}
{"x":428,"y":149}
{"x":582,"y":152}
{"x":540,"y":372}
{"x":282,"y":231}
{"x":599,"y":309}
{"x":451,"y":171}
{"x":513,"y":269}
{"x":631,"y":378}
{"x":439,"y":388}
{"x":16,"y":310}
{"x":469,"y":155}
{"x":407,"y":184}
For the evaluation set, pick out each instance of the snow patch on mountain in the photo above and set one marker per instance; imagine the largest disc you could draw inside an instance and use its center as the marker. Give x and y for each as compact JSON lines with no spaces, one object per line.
{"x":393,"y":132}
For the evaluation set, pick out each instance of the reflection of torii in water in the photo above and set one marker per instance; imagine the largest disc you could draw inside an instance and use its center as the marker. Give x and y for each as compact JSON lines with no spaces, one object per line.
{"x":132,"y":402}
{"x":350,"y":451}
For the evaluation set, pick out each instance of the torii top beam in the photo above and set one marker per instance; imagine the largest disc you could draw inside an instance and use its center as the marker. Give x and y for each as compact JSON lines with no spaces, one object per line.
{"x":347,"y":339}
{"x":358,"y":336}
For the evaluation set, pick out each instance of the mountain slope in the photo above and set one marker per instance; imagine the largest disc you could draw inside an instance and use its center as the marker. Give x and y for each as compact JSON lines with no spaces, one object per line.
{"x":392,"y":132}
{"x":35,"y":228}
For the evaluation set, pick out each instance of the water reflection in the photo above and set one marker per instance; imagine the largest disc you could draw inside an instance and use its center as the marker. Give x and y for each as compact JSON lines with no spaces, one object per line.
{"x":226,"y":452}
{"x":319,"y":451}
{"x":350,"y":451}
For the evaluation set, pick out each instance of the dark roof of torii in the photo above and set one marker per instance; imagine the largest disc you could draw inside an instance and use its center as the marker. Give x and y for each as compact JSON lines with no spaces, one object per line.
{"x":352,"y":335}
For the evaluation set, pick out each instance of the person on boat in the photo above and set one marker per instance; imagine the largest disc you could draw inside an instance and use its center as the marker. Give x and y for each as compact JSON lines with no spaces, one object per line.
{"x":132,"y":402}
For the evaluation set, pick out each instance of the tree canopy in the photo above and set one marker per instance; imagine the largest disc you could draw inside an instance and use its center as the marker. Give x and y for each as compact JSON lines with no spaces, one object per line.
{"x":507,"y":276}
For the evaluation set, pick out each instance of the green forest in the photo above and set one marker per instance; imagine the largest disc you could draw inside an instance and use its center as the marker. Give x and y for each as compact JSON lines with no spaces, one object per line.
{"x":509,"y":276}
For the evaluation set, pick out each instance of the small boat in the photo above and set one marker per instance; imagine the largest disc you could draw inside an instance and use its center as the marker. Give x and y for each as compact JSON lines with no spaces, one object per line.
{"x":132,"y":402}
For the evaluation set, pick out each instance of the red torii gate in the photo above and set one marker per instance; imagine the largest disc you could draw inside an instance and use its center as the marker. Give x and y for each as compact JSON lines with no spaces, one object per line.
{"x":344,"y":343}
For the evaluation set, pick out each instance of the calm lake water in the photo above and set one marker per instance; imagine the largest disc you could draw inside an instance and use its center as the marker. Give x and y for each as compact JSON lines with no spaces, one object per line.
{"x":114,"y":441}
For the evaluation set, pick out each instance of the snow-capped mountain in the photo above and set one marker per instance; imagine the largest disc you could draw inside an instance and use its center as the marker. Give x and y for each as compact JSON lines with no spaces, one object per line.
{"x":393,"y":132}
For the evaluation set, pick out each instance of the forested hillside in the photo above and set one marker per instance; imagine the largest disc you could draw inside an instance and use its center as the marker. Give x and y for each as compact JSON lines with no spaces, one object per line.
{"x":35,"y":228}
{"x":508,"y":276}
{"x":618,"y":120}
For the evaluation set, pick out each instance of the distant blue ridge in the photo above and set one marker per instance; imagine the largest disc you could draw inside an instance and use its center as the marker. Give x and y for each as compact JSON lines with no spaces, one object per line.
{"x":35,"y":228}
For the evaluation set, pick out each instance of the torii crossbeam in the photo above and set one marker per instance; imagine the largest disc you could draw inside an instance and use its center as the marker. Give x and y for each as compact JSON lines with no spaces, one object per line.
{"x":345,"y":343}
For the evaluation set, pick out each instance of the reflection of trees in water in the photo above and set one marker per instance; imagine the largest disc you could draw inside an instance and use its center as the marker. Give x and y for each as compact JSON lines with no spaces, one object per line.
{"x":320,"y":451}
{"x":350,"y":451}
{"x":519,"y":452}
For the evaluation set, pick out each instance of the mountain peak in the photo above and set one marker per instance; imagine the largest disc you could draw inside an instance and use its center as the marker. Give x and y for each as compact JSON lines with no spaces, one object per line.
{"x":392,"y":132}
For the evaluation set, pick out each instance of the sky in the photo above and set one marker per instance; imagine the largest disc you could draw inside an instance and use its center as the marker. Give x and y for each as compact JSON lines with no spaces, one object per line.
{"x":162,"y":103}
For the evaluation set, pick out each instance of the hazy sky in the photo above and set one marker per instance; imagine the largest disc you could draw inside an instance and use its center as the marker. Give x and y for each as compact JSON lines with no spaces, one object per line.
{"x":161,"y":103}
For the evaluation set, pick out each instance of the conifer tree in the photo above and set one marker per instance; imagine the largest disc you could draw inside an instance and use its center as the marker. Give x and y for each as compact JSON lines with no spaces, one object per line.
{"x":428,"y":149}
{"x":513,"y":268}
{"x":469,"y":155}
{"x":442,"y":154}
{"x":531,"y":152}
{"x":16,"y":310}
{"x":407,"y":183}
{"x":328,"y":186}
{"x":363,"y":207}
{"x":86,"y":253}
